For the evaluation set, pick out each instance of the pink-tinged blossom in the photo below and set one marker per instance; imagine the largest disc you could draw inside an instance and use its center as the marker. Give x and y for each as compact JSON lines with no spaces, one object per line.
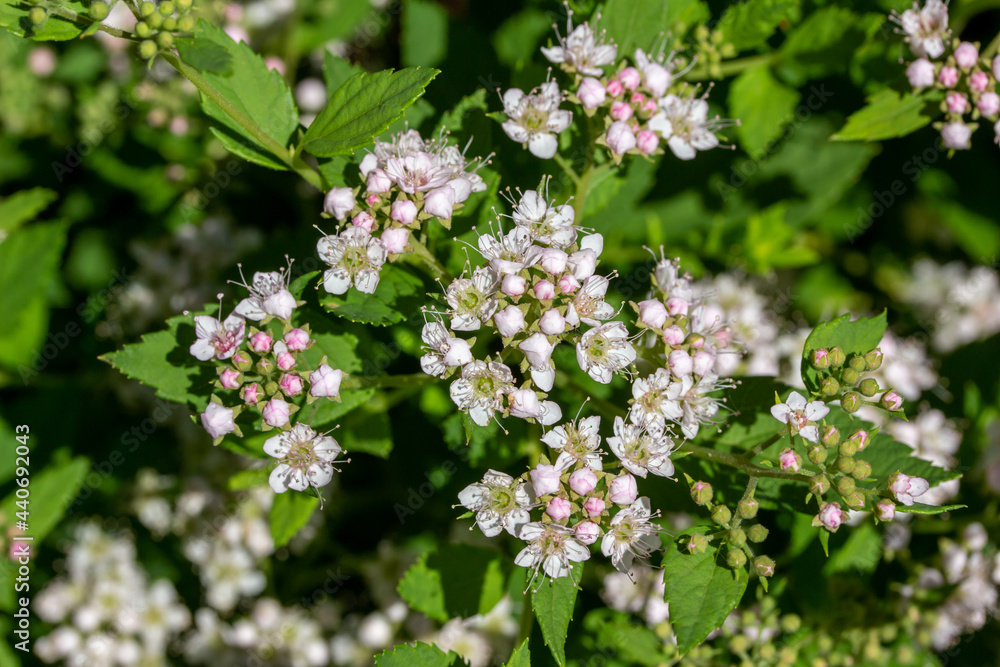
{"x":509,"y":321}
{"x":583,"y":481}
{"x":789,"y":460}
{"x":630,"y":78}
{"x":548,"y":225}
{"x":593,"y":507}
{"x":218,"y":420}
{"x":621,"y":110}
{"x":324,"y":382}
{"x":558,"y":509}
{"x":673,"y":335}
{"x":305,"y":459}
{"x":551,"y":547}
{"x":443,"y":351}
{"x":631,"y":534}
{"x":620,"y":138}
{"x":545,"y":479}
{"x":292,"y":385}
{"x":552,"y":322}
{"x":800,"y":415}
{"x":683,"y":122}
{"x":524,"y":404}
{"x":297,"y":340}
{"x":404,"y":211}
{"x":956,"y":135}
{"x":948,"y":77}
{"x":979,"y":81}
{"x":499,"y":501}
{"x":906,"y":488}
{"x":655,"y":76}
{"x":648,"y":142}
{"x":339,"y":202}
{"x":269,"y":295}
{"x":261,"y":342}
{"x":830,"y":517}
{"x":364,"y":220}
{"x":513,"y":285}
{"x":230,"y":379}
{"x":680,"y":363}
{"x":355,"y":258}
{"x":966,"y":55}
{"x":989,"y":104}
{"x":581,"y":51}
{"x":920,"y":73}
{"x":378,"y":181}
{"x":440,"y":202}
{"x":276,"y":412}
{"x":395,"y":240}
{"x":591,"y":93}
{"x":958,"y":103}
{"x":544,"y":290}
{"x":587,"y":532}
{"x":622,"y":490}
{"x":892,"y":401}
{"x":568,"y":284}
{"x":218,"y":339}
{"x":926,"y":28}
{"x":283,"y":359}
{"x":615,"y":88}
{"x":251,"y":393}
{"x":885,"y":510}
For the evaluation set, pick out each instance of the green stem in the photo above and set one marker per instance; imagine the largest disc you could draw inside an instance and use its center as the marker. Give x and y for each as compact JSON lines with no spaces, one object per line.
{"x":764,"y":445}
{"x":293,"y":162}
{"x":730,"y":67}
{"x":992,"y":47}
{"x":568,"y":168}
{"x":78,"y":18}
{"x":741,"y":463}
{"x":435,"y":267}
{"x":527,"y":621}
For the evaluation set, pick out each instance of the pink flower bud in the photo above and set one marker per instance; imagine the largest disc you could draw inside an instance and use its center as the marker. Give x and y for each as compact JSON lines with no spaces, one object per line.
{"x":285,"y":361}
{"x":906,"y":488}
{"x":673,"y":335}
{"x":372,"y":200}
{"x":957,"y":102}
{"x":587,"y":532}
{"x":789,"y":460}
{"x":623,"y":490}
{"x":677,"y":306}
{"x":637,"y":99}
{"x":404,"y":211}
{"x":459,"y":353}
{"x":892,"y":401}
{"x":297,"y":340}
{"x":583,"y":481}
{"x":966,"y":55}
{"x":558,"y":509}
{"x":544,"y":290}
{"x":948,"y":76}
{"x":513,"y":285}
{"x":621,"y":110}
{"x":831,"y":516}
{"x":648,"y":141}
{"x":995,"y":66}
{"x":251,"y":393}
{"x":440,"y":202}
{"x":395,"y":240}
{"x":620,"y":138}
{"x":885,"y":510}
{"x":509,"y":321}
{"x":593,"y":507}
{"x":378,"y":181}
{"x":978,"y":81}
{"x":568,"y":284}
{"x":657,"y":79}
{"x":989,"y":104}
{"x":591,"y":93}
{"x":649,"y":106}
{"x":230,"y":379}
{"x":630,"y":77}
{"x":583,"y":263}
{"x":545,"y":479}
{"x":956,"y":136}
{"x":261,"y":342}
{"x":552,"y":322}
{"x":291,"y":385}
{"x":364,"y":220}
{"x":218,"y":420}
{"x":553,"y":261}
{"x":339,"y":202}
{"x":276,"y":412}
{"x":652,"y":313}
{"x":615,"y":88}
{"x":537,"y":350}
{"x":920,"y":73}
{"x":703,"y":362}
{"x":524,"y":405}
{"x":325,"y":382}
{"x":680,"y":363}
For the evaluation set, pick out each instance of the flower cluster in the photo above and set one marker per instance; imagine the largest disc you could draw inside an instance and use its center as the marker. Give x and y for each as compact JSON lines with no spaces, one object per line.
{"x":408,"y":180}
{"x":957,"y":69}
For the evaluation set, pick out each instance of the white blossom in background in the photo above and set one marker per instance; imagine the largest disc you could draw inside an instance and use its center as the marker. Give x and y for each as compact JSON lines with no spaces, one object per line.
{"x":534,"y":119}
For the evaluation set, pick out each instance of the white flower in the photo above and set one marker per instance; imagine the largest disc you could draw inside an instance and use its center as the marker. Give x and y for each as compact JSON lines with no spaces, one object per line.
{"x":576,"y":443}
{"x":581,"y":51}
{"x":325,"y":382}
{"x":655,"y":400}
{"x":481,"y":389}
{"x":694,"y":403}
{"x":926,"y":29}
{"x":471,"y":645}
{"x":642,"y":449}
{"x":269,"y":295}
{"x":631,"y":534}
{"x":656,"y":77}
{"x":684,"y":123}
{"x":218,"y":420}
{"x":524,"y":404}
{"x":538,"y":352}
{"x":356,"y":257}
{"x":548,"y":225}
{"x":217,"y":339}
{"x":507,"y":254}
{"x":499,"y":501}
{"x":304,"y":459}
{"x":551,"y":547}
{"x":535,"y":119}
{"x":588,"y":305}
{"x":798,"y":415}
{"x":906,"y":488}
{"x":604,"y":350}
{"x":443,"y":352}
{"x":472,"y":300}
{"x":339,"y":202}
{"x":418,"y":172}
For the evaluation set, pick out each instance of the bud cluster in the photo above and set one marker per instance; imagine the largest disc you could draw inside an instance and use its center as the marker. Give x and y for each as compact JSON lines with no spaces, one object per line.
{"x":730,"y":531}
{"x":842,"y":376}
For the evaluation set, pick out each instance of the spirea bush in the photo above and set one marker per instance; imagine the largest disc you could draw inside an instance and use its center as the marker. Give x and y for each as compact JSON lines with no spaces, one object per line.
{"x":419,"y":333}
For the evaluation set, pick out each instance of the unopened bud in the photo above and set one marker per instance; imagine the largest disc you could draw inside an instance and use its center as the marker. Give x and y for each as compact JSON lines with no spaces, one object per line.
{"x":829,"y":386}
{"x":845,"y":464}
{"x":791,"y":623}
{"x":271,"y":388}
{"x":747,"y":508}
{"x":892,"y":401}
{"x":265,"y":366}
{"x":763,"y":566}
{"x":850,"y":377}
{"x":147,"y":49}
{"x":735,"y":558}
{"x":845,"y":485}
{"x":868,"y":387}
{"x":885,"y":510}
{"x":737,"y":537}
{"x":851,"y":402}
{"x":757,"y":533}
{"x":817,"y":454}
{"x":819,"y":485}
{"x":873,"y":360}
{"x":849,"y":447}
{"x":241,"y":360}
{"x":855,"y":499}
{"x":37,"y":15}
{"x":830,"y":436}
{"x":98,"y":10}
{"x":701,"y":493}
{"x":147,"y":8}
{"x":862,"y":469}
{"x":861,"y":437}
{"x":697,"y":544}
{"x":837,"y":357}
{"x":858,"y":364}
{"x":721,"y":515}
{"x":820,"y":359}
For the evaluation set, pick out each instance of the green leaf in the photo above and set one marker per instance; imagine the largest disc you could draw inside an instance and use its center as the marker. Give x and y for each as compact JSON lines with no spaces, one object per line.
{"x":396,"y":298}
{"x":367,"y":431}
{"x":521,"y":657}
{"x":857,"y":337}
{"x":824,"y":41}
{"x":336,"y":72}
{"x":205,"y":55}
{"x":14,"y":17}
{"x":326,"y":21}
{"x":247,"y":479}
{"x":423,"y":33}
{"x":516,"y":40}
{"x":633,"y":643}
{"x":861,"y":552}
{"x":23,"y":206}
{"x":635,"y":24}
{"x":749,"y":24}
{"x":254,"y":90}
{"x":454,"y":581}
{"x":29,"y":259}
{"x":553,"y":603}
{"x":976,"y":234}
{"x":324,"y":412}
{"x":364,"y":107}
{"x":289,"y":513}
{"x":920,"y":508}
{"x":51,"y":491}
{"x":471,"y":105}
{"x":700,"y":590}
{"x":888,"y":115}
{"x":763,"y":104}
{"x":418,"y":655}
{"x":162,"y":360}
{"x":21,"y":342}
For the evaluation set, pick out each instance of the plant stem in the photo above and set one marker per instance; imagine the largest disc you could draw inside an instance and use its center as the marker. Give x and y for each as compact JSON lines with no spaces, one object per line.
{"x":731,"y":67}
{"x":992,"y":47}
{"x":764,"y":445}
{"x":568,"y":168}
{"x":741,"y":463}
{"x":527,"y":621}
{"x":421,"y":252}
{"x":78,"y":18}
{"x":294,"y":163}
